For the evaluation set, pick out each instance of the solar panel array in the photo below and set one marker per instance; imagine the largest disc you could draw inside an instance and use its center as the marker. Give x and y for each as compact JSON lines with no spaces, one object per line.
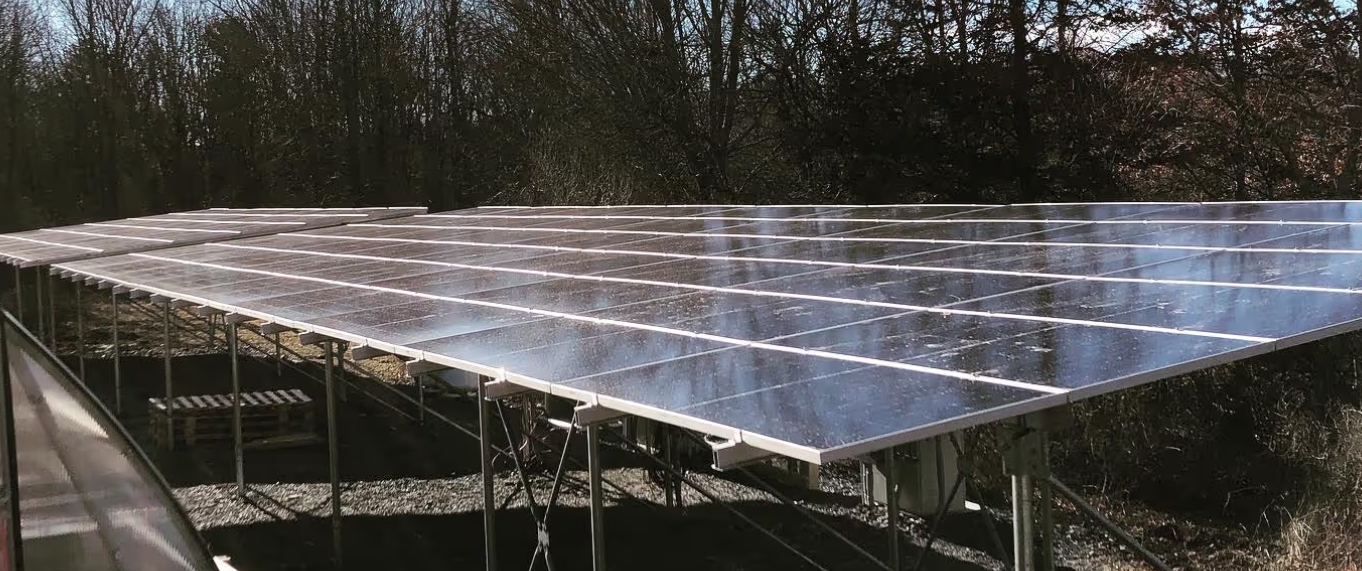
{"x":817,"y":332}
{"x":83,"y":241}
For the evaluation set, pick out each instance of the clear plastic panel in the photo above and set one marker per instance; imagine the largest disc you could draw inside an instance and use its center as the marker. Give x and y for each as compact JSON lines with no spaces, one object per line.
{"x":89,"y":498}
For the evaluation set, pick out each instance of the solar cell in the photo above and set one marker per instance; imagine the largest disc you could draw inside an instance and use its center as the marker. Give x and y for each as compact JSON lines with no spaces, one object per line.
{"x":48,"y":246}
{"x":819,"y":332}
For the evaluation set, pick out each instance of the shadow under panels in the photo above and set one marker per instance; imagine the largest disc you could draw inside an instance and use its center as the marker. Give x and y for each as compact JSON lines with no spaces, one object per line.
{"x":55,"y":245}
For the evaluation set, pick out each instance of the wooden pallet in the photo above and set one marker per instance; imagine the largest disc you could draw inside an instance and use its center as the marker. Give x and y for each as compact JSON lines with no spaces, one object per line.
{"x":208,"y":418}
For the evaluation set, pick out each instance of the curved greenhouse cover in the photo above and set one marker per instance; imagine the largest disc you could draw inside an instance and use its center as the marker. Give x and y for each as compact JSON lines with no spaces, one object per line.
{"x":87,"y":497}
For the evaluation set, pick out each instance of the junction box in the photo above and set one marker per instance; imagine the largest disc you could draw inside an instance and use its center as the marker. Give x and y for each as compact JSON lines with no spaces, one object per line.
{"x":916,"y":470}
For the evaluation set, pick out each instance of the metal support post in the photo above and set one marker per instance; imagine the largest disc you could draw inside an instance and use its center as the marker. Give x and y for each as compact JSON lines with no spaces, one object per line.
{"x":80,"y":332}
{"x":867,"y":484}
{"x":51,"y":312}
{"x":667,"y":444}
{"x":1023,"y":443}
{"x":14,"y":544}
{"x":340,"y":371}
{"x":489,"y":497}
{"x":891,"y":504}
{"x":1021,"y":523}
{"x":170,"y":383}
{"x":117,"y":360}
{"x":278,"y":357}
{"x":42,"y":312}
{"x":19,"y":293}
{"x":333,"y":455}
{"x":420,"y":399}
{"x":238,"y":450}
{"x":1047,"y":526}
{"x":593,"y":460}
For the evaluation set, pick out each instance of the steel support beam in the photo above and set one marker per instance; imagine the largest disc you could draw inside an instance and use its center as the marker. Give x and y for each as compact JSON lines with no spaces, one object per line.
{"x":593,"y":460}
{"x":333,"y":454}
{"x":420,"y":399}
{"x":19,"y":292}
{"x":51,"y":313}
{"x":1023,"y":556}
{"x":891,"y":506}
{"x":80,"y":332}
{"x":170,"y":381}
{"x":42,"y":311}
{"x":1115,"y":530}
{"x":117,"y":360}
{"x":238,"y":452}
{"x":489,"y":497}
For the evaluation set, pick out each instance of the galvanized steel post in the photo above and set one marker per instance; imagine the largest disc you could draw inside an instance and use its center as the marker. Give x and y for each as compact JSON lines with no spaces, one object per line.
{"x":593,"y":460}
{"x":170,"y":384}
{"x":891,"y":504}
{"x":238,"y":450}
{"x":489,"y":498}
{"x":333,"y":453}
{"x":80,"y":332}
{"x":117,"y":359}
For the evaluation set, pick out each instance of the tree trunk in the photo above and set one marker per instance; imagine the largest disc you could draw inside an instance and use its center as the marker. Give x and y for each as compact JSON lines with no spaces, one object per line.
{"x":1021,"y":104}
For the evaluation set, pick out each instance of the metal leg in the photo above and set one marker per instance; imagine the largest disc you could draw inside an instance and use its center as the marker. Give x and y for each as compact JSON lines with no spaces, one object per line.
{"x":1021,"y":523}
{"x":333,"y":454}
{"x":867,"y":484}
{"x":51,"y":312}
{"x":489,"y":497}
{"x":593,"y":460}
{"x":170,"y":384}
{"x":19,"y":292}
{"x":1047,"y":527}
{"x":420,"y":399}
{"x":42,"y":313}
{"x":340,"y":372}
{"x":278,"y":357}
{"x":891,"y":504}
{"x":238,"y":451}
{"x":667,"y":482}
{"x":117,"y":361}
{"x":80,"y":332}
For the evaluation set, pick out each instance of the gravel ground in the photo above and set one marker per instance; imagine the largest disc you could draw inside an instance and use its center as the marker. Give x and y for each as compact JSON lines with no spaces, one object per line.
{"x":413,"y":500}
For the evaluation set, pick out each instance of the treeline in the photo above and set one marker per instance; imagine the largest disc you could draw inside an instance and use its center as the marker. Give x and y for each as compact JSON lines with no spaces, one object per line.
{"x":111,"y":108}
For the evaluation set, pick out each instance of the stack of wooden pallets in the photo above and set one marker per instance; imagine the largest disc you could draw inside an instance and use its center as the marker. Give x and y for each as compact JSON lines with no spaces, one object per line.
{"x":208,"y":418}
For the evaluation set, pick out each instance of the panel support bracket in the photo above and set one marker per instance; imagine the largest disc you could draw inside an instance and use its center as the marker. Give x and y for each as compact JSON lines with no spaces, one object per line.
{"x":362,"y":352}
{"x":235,"y":318}
{"x":311,"y":338}
{"x":734,"y":453}
{"x":274,"y":329}
{"x":501,"y":389}
{"x":422,"y":367}
{"x":589,"y":414}
{"x":205,"y":311}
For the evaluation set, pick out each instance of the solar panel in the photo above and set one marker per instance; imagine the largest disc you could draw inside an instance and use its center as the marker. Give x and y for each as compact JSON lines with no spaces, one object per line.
{"x":817,"y":332}
{"x":48,"y":246}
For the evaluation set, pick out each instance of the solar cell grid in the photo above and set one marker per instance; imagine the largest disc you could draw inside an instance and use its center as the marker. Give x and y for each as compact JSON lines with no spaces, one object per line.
{"x":818,"y":332}
{"x":48,"y":246}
